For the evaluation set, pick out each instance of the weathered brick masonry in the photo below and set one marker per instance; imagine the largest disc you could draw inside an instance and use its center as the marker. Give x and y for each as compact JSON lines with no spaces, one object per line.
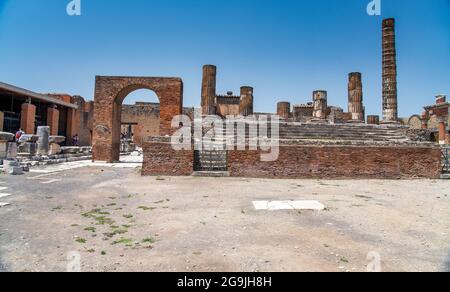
{"x":109,"y":95}
{"x":161,"y":159}
{"x":371,"y":162}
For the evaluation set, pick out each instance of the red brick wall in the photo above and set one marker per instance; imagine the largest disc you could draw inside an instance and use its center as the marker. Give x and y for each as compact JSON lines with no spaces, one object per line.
{"x":331,"y":162}
{"x":53,"y":120}
{"x":161,"y":159}
{"x":109,"y":95}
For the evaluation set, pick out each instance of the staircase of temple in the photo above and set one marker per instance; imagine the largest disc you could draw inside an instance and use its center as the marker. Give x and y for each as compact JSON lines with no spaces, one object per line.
{"x":333,"y":132}
{"x":344,"y":132}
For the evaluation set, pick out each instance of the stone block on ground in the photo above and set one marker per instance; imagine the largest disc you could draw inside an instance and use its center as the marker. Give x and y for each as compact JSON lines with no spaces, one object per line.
{"x":26,"y":138}
{"x":28,"y":147}
{"x":70,"y":150}
{"x":56,"y":139}
{"x":15,"y":170}
{"x":54,"y":149}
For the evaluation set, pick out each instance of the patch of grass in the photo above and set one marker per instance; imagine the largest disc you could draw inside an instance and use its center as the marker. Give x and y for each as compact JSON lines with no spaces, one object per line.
{"x":126,"y":226}
{"x":74,"y":225}
{"x":57,"y":208}
{"x":94,"y":212}
{"x":91,"y":250}
{"x":149,"y":240}
{"x":91,"y":229}
{"x":242,"y":211}
{"x":103,"y":253}
{"x":120,"y":231}
{"x":128,"y":216}
{"x":158,"y":202}
{"x":126,"y":241}
{"x":111,"y":205}
{"x":80,"y":240}
{"x":102,"y":220}
{"x":49,"y":198}
{"x":145,"y":208}
{"x":112,"y":198}
{"x":160,"y":178}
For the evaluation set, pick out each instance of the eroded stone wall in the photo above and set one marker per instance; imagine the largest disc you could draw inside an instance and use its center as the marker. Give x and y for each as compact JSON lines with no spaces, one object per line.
{"x":340,"y":162}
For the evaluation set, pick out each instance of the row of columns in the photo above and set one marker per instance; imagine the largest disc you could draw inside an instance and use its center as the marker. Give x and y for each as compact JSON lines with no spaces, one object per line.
{"x":28,"y":119}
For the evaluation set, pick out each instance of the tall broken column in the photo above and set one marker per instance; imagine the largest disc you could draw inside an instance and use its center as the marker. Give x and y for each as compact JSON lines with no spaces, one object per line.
{"x":320,"y":104}
{"x":209,"y":90}
{"x":390,"y":103}
{"x":355,"y":97}
{"x":246,"y":101}
{"x":284,"y":110}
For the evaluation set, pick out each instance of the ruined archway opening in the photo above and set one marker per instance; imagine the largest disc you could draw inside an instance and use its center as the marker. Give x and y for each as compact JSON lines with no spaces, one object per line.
{"x":138,"y":110}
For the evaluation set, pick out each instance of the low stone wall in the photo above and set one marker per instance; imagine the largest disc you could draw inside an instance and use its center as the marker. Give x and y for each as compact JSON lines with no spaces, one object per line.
{"x":161,"y":159}
{"x":340,"y":162}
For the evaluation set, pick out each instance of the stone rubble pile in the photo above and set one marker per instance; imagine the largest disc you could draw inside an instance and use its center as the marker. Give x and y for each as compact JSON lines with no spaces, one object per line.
{"x":36,"y":150}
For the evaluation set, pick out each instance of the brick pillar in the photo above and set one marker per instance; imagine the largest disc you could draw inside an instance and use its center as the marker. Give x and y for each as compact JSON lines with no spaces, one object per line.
{"x":390,"y":103}
{"x":2,"y":117}
{"x":209,"y":90}
{"x":355,"y":97}
{"x":71,"y":125}
{"x":53,"y":120}
{"x":27,"y":118}
{"x":320,"y":104}
{"x":284,"y":110}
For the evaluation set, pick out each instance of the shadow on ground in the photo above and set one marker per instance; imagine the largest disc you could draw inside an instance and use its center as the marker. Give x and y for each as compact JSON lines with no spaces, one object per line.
{"x":447,"y":264}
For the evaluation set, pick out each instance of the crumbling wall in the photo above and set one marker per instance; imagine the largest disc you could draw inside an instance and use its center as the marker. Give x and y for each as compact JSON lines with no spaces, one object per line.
{"x":161,"y":159}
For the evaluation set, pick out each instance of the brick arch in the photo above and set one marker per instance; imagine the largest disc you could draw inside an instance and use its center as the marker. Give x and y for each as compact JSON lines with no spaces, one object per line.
{"x":110,"y":93}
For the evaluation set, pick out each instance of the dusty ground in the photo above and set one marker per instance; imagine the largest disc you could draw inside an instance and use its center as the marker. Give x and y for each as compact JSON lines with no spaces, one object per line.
{"x":119,"y":221}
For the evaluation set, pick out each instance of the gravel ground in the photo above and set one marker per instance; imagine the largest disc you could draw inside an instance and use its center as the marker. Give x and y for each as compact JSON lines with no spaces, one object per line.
{"x":116,"y":220}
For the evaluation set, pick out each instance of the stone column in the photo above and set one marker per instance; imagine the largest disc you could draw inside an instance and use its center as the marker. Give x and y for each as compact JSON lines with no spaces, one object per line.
{"x":246,"y":101}
{"x":209,"y":90}
{"x":373,"y":120}
{"x":27,"y":118}
{"x":43,"y":142}
{"x":53,"y":120}
{"x":390,"y":103}
{"x":355,"y":97}
{"x":320,"y":104}
{"x":2,"y":117}
{"x":284,"y":110}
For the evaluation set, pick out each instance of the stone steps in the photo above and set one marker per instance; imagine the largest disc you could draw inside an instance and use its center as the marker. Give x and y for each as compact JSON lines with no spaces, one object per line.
{"x":211,"y":174}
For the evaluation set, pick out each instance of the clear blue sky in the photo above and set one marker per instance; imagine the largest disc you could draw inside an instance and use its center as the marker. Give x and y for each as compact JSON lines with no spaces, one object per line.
{"x":283,"y":48}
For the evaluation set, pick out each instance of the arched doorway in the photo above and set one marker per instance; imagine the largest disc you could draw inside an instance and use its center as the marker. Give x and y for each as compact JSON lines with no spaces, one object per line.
{"x":140,"y":116}
{"x":110,"y":93}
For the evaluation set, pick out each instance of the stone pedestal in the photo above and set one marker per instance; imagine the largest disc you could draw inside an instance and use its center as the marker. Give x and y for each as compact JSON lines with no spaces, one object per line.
{"x":4,"y":139}
{"x":43,"y":142}
{"x":28,"y":147}
{"x":11,"y":151}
